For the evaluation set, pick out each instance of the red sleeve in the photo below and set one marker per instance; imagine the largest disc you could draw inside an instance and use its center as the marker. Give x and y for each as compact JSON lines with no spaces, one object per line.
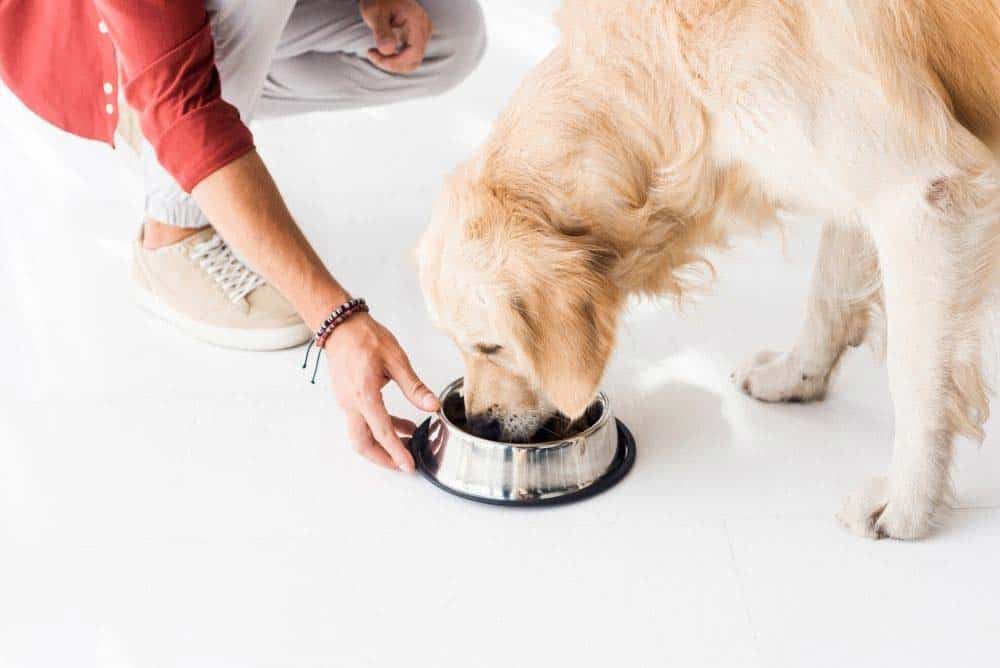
{"x":166,"y":53}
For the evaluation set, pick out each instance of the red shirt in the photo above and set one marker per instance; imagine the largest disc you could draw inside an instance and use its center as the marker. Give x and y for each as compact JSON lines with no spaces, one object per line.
{"x":62,"y":58}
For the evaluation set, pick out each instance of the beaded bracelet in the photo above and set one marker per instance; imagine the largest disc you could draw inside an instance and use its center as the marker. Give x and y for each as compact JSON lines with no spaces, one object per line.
{"x":333,"y":321}
{"x":339,"y":315}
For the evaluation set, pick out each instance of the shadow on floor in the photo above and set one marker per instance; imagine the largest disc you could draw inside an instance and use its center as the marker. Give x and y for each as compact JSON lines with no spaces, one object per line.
{"x":675,"y":421}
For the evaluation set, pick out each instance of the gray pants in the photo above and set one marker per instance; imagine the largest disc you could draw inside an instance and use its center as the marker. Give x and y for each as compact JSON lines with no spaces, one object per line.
{"x":279,"y":57}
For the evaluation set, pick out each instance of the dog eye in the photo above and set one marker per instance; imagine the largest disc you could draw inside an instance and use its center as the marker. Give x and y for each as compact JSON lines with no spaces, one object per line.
{"x":487,"y":349}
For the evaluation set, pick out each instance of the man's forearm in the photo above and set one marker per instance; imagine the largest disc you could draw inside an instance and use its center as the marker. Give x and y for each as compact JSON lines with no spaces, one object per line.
{"x":244,"y":205}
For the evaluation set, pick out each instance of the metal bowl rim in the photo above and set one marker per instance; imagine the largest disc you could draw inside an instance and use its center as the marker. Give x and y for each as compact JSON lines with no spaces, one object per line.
{"x":586,"y":433}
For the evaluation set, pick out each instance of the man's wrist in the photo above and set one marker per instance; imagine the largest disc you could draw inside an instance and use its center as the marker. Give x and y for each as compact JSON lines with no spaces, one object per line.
{"x":323,"y":301}
{"x":338,"y":317}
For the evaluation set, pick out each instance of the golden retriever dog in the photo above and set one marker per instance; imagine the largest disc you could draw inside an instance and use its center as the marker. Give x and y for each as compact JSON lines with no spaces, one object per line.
{"x":659,"y":127}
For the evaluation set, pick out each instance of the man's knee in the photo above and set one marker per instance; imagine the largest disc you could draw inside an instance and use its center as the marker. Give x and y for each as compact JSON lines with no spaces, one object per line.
{"x":460,"y":39}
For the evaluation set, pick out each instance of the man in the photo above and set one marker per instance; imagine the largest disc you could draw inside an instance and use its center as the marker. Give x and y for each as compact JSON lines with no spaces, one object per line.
{"x":195,"y":72}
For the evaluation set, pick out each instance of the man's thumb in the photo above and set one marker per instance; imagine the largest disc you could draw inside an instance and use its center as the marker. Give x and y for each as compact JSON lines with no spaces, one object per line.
{"x":385,"y":38}
{"x":413,"y":388}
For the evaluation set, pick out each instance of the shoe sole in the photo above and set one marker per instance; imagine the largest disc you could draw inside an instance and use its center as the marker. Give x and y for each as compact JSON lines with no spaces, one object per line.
{"x":257,"y":340}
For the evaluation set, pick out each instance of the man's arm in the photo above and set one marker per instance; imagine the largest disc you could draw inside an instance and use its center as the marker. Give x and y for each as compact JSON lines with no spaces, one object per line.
{"x":246,"y":208}
{"x":165,"y":50}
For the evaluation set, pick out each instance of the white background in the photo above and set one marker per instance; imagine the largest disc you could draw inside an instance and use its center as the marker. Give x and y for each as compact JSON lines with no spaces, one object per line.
{"x":166,"y":503}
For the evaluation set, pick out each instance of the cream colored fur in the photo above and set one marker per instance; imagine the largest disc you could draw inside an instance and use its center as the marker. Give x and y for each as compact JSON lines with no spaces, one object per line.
{"x":658,"y":128}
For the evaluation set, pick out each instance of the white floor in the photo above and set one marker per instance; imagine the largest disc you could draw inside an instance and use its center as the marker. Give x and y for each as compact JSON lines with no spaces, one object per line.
{"x":165,"y":503}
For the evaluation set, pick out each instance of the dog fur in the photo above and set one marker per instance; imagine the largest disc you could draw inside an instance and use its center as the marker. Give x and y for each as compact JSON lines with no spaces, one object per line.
{"x":659,"y":128}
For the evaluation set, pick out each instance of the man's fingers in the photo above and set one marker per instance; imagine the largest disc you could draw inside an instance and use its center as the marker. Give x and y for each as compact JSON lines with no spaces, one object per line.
{"x":386,"y":44}
{"x":413,"y":388}
{"x":364,"y":443}
{"x":382,"y":62}
{"x":404,"y":62}
{"x":384,"y":432}
{"x":379,"y":19}
{"x":400,"y":33}
{"x":410,"y":58}
{"x":411,"y":37}
{"x":404,"y":428}
{"x":373,"y":452}
{"x":418,"y":36}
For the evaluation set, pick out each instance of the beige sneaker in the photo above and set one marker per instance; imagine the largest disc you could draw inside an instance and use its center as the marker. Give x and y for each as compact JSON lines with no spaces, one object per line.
{"x":200,"y":286}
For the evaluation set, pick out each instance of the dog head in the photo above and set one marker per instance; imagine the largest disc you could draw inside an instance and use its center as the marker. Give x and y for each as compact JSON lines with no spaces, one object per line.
{"x":528,"y":302}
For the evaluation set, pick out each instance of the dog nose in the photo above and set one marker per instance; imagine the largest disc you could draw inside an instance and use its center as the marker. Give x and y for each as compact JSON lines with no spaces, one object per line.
{"x":484,"y":426}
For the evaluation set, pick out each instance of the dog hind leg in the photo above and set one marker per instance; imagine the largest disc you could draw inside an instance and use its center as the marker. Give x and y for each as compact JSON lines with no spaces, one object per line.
{"x":843,"y":299}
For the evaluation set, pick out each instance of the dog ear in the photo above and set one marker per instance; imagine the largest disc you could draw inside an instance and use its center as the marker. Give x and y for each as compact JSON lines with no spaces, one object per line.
{"x":570,"y":320}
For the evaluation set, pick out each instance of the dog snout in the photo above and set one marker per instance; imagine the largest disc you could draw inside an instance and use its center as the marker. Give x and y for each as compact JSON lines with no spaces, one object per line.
{"x":500,"y":405}
{"x":484,"y":425}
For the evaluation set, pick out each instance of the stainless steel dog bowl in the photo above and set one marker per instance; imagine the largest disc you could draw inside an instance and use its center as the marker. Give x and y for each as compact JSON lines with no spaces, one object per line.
{"x":523,"y":474}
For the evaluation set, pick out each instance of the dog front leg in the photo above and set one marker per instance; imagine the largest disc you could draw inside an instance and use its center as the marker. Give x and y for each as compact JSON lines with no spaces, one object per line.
{"x":933,"y":248}
{"x":845,"y":288}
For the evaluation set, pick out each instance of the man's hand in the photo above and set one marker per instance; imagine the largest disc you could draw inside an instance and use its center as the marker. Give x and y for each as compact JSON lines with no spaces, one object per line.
{"x":363,"y":357}
{"x":402,"y":30}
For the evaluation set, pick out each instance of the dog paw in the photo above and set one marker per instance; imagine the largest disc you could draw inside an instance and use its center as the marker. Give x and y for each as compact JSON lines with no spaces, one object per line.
{"x":770,"y":376}
{"x":872,"y":512}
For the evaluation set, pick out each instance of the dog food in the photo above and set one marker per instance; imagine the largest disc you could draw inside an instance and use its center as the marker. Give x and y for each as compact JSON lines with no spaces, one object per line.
{"x":555,"y":428}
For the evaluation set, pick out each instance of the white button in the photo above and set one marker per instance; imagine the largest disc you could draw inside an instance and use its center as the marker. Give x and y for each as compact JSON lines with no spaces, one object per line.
{"x":110,"y":109}
{"x":103,"y":28}
{"x":108,"y":88}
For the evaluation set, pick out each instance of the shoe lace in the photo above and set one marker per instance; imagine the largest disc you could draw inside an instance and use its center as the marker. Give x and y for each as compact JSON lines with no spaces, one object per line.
{"x":235,"y":279}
